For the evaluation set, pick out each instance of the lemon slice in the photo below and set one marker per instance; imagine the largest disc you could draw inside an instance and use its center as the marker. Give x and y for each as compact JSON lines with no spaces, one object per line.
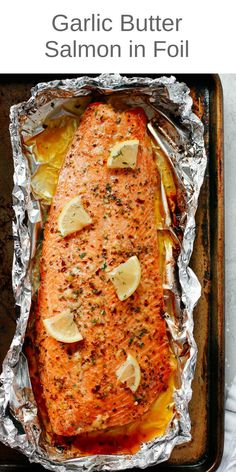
{"x":123,"y":154}
{"x":169,"y":261}
{"x":51,"y":145}
{"x":63,"y":328}
{"x":126,"y":277}
{"x":130,"y":373}
{"x":73,"y":217}
{"x":44,"y":182}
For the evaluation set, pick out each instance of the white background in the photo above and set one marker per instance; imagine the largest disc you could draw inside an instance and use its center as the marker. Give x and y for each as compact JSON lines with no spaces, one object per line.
{"x":209,"y":26}
{"x":229,"y":86}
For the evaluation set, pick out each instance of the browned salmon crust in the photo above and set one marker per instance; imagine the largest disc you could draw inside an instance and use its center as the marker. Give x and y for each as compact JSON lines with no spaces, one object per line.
{"x":79,"y":383}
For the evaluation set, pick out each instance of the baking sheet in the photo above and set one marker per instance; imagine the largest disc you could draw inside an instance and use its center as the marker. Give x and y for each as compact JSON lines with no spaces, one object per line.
{"x":207,"y":423}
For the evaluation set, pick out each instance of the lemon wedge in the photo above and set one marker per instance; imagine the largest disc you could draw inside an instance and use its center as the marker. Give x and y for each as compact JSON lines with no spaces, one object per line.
{"x":130,"y":373}
{"x":123,"y":154}
{"x":63,"y":328}
{"x":73,"y":217}
{"x":126,"y":277}
{"x":44,"y":182}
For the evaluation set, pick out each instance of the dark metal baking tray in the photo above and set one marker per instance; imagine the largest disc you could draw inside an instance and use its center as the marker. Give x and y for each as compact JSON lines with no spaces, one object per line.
{"x":203,"y":453}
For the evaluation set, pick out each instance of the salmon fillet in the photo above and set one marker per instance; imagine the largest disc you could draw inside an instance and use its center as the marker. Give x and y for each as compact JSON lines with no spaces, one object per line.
{"x":79,"y":383}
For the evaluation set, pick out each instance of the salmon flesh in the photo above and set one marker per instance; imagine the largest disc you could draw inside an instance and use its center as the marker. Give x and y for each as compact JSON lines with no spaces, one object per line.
{"x":79,"y":384}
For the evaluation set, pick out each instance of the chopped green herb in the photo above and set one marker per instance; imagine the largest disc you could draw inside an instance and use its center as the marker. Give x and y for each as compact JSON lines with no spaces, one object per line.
{"x":120,"y":153}
{"x":78,"y":291}
{"x":82,"y":255}
{"x":131,"y":341}
{"x":104,"y":266}
{"x":137,"y":309}
{"x":143,"y":332}
{"x":95,"y":291}
{"x":108,"y":188}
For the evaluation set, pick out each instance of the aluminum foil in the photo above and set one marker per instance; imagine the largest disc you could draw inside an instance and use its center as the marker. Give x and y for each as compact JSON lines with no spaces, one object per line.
{"x":180,"y":135}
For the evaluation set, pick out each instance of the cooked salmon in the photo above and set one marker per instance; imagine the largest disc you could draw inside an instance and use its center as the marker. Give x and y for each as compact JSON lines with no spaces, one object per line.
{"x":80,"y":388}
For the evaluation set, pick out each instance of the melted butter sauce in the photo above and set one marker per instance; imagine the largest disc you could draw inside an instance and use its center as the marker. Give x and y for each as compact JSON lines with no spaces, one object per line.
{"x":128,"y":439}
